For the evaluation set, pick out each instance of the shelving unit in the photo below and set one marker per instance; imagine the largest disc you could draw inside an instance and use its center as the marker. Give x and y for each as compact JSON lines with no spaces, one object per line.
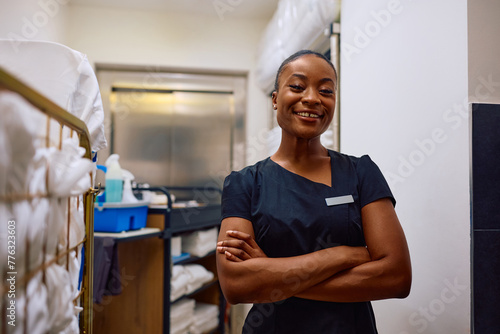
{"x":143,"y":233}
{"x":146,"y":255}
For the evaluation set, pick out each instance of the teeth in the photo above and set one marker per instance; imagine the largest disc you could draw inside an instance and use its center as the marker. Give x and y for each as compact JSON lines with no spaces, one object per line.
{"x":306,"y":114}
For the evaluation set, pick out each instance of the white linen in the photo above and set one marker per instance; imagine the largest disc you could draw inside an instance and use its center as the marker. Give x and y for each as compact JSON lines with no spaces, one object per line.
{"x":206,"y":318}
{"x":181,"y":316}
{"x":69,"y":173}
{"x":188,"y":278}
{"x":200,"y":243}
{"x":74,"y":326}
{"x":18,"y":124}
{"x":178,"y":282}
{"x":60,"y":302}
{"x":36,"y":300}
{"x":198,"y":275}
{"x":49,"y":176}
{"x":63,"y":75}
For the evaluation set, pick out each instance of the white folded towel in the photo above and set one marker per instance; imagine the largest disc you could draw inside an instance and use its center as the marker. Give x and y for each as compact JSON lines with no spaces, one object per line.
{"x":206,"y":318}
{"x":200,"y":243}
{"x":198,"y":275}
{"x":178,"y":282}
{"x":188,"y":278}
{"x":182,"y":315}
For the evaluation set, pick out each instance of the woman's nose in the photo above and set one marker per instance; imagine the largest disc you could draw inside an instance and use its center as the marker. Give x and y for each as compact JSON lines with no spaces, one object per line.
{"x":311,"y":97}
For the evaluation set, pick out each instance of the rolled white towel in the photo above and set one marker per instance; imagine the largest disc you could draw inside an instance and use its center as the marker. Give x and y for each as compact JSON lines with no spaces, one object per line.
{"x":37,"y":319}
{"x":60,"y":299}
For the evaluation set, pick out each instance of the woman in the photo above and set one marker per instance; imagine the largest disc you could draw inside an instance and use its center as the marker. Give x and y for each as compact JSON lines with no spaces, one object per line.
{"x":310,"y":235}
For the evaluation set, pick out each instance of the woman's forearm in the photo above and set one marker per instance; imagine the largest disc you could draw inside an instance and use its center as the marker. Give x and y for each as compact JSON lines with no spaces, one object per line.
{"x":263,"y":279}
{"x":388,"y":275}
{"x":374,"y":280}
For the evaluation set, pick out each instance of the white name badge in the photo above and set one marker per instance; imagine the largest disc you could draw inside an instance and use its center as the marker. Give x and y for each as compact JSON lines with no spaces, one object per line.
{"x":330,"y":201}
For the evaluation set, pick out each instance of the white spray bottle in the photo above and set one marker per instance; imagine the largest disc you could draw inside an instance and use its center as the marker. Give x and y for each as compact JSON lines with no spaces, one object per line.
{"x":114,"y":179}
{"x":128,"y":194}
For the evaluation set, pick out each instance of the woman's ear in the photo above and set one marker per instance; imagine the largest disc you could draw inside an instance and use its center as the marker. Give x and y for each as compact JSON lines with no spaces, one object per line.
{"x":274,"y":97}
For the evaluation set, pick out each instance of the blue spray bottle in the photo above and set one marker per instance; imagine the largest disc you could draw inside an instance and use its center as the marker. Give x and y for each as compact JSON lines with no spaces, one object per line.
{"x":114,"y":179}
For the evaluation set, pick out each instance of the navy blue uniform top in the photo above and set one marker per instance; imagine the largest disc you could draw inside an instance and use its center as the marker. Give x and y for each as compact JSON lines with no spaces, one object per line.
{"x":290,"y":217}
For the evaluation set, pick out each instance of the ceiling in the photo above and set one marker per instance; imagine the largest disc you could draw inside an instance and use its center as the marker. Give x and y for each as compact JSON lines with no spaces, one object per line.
{"x":247,"y":9}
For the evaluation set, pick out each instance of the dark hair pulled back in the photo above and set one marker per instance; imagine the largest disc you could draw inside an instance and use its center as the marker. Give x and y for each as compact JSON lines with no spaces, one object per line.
{"x":295,"y":56}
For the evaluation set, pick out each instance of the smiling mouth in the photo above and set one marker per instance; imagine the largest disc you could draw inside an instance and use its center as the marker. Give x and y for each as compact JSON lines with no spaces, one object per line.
{"x":306,"y":114}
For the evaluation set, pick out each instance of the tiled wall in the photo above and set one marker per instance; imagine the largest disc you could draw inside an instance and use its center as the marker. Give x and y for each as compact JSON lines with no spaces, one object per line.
{"x":486,"y":218}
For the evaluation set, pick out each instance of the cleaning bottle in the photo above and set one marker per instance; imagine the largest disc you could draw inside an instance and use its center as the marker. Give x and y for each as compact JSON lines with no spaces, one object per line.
{"x":128,"y":194}
{"x":114,"y":179}
{"x":101,"y":197}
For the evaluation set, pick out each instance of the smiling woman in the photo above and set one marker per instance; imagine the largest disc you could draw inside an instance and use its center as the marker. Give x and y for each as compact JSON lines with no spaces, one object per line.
{"x":304,"y":97}
{"x":310,"y":235}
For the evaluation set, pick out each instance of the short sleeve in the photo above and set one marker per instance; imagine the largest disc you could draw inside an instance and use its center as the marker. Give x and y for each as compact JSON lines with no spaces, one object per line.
{"x":372,"y":184}
{"x":237,"y":195}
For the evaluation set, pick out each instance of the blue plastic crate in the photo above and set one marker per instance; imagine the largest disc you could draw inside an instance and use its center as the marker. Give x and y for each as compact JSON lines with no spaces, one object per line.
{"x":118,"y":217}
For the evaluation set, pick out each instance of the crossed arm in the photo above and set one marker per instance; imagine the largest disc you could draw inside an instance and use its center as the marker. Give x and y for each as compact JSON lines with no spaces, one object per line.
{"x":338,"y":274}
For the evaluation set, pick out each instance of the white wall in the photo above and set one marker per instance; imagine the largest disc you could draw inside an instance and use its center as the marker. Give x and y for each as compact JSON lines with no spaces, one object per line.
{"x":404,"y":101}
{"x":120,"y":36}
{"x":33,"y":20}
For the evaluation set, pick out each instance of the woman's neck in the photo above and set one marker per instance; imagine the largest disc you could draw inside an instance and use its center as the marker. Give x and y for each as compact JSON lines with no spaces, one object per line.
{"x":307,"y":158}
{"x":300,"y":151}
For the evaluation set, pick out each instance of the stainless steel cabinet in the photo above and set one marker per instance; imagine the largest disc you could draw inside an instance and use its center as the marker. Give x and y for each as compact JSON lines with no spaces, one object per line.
{"x":175,"y":129}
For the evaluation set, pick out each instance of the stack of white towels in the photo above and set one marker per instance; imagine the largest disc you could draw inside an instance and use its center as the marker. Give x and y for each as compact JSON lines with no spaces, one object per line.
{"x":188,"y":278}
{"x":200,"y":243}
{"x":190,"y":317}
{"x":181,"y":316}
{"x":206,"y":318}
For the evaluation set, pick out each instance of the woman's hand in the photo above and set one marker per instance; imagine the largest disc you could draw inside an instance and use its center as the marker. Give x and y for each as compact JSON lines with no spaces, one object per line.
{"x":239,"y":247}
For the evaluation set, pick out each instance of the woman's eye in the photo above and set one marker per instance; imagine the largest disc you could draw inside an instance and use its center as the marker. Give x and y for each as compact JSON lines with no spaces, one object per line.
{"x":326,"y":91}
{"x":295,"y":87}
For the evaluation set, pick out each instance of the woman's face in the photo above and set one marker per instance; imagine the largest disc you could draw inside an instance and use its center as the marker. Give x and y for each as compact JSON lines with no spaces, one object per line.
{"x":306,"y":96}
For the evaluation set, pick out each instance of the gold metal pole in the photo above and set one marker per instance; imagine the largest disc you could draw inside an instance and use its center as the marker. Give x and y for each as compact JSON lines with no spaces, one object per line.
{"x":86,"y":318}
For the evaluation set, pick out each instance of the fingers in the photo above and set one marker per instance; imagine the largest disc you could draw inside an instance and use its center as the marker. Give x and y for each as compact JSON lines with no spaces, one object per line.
{"x":240,"y":245}
{"x":244,"y":237}
{"x":231,"y":257}
{"x":234,"y":243}
{"x":225,"y":247}
{"x":238,"y":234}
{"x":233,"y":254}
{"x":237,"y":243}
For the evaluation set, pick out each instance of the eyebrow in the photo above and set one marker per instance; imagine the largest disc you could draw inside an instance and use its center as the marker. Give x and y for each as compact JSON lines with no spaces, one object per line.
{"x":301,"y":76}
